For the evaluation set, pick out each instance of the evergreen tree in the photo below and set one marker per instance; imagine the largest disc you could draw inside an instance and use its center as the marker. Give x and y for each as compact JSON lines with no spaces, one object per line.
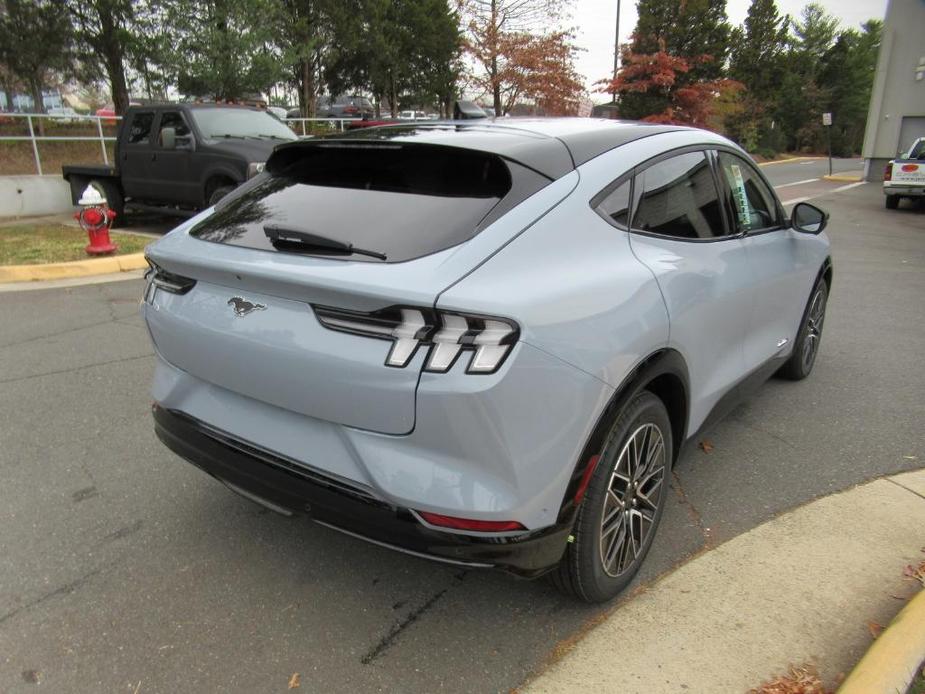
{"x":695,"y":30}
{"x":35,"y":43}
{"x":757,"y":61}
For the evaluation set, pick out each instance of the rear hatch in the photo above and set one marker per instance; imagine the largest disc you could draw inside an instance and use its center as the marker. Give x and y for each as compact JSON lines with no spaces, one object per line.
{"x":357,"y":227}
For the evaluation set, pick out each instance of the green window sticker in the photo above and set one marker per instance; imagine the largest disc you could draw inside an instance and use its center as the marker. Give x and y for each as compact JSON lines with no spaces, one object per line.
{"x":741,"y":197}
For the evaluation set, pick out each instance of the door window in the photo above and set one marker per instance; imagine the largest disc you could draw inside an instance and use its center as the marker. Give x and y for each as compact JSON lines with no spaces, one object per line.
{"x":679,"y":199}
{"x":140,"y":128}
{"x":172,"y":119}
{"x":751,"y":200}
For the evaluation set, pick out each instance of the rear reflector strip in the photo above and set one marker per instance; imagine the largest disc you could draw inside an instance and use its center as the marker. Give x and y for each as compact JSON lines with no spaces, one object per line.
{"x":586,"y":478}
{"x":482,"y":526}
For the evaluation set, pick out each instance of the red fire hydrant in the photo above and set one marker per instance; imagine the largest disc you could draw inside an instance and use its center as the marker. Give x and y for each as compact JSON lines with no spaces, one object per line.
{"x":95,"y":218}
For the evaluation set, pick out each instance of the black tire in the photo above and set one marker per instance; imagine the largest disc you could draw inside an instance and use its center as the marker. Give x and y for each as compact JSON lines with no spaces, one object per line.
{"x":114,"y":198}
{"x":218,"y":193}
{"x":892,"y":202}
{"x":800,"y":364}
{"x":582,"y":571}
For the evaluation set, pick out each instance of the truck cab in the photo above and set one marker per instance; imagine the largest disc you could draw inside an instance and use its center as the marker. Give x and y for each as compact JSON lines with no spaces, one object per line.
{"x":182,"y":157}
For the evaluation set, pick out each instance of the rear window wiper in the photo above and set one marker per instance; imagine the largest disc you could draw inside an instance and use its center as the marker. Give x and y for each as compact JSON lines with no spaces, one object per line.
{"x":297,"y":240}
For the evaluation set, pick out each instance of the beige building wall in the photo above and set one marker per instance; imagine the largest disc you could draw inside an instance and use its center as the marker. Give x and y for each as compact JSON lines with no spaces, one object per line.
{"x":896,"y":115}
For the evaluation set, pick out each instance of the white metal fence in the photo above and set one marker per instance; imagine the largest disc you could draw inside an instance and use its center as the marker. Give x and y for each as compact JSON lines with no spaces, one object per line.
{"x":64,"y":123}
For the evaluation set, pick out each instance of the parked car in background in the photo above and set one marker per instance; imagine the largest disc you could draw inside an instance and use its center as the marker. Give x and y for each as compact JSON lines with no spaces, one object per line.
{"x":181,"y":157}
{"x":904,"y":177}
{"x":481,"y":342}
{"x":412,"y":115}
{"x":277,"y":112}
{"x":353,"y":106}
{"x":63,"y":114}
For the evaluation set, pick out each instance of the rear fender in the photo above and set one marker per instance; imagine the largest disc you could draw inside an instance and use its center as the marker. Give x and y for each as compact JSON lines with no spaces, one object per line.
{"x":664,"y":362}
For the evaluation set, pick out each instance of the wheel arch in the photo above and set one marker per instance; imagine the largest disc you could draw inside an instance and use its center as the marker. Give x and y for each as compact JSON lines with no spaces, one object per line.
{"x":215,"y":178}
{"x":664,"y":373}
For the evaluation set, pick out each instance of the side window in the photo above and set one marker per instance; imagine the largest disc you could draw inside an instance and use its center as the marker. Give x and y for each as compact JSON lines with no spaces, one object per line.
{"x":172,"y":119}
{"x":616,"y":206}
{"x":140,"y":129}
{"x":679,"y":199}
{"x":751,"y":200}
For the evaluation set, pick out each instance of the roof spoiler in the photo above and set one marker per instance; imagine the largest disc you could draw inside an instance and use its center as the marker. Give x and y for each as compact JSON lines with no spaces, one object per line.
{"x":467,"y":110}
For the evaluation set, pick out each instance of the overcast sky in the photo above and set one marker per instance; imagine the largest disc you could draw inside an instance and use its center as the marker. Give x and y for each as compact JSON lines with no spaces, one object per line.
{"x":595,"y":21}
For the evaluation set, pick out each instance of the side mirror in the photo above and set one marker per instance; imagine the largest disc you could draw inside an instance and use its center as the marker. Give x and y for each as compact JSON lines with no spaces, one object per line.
{"x":169,"y":138}
{"x":808,"y":219}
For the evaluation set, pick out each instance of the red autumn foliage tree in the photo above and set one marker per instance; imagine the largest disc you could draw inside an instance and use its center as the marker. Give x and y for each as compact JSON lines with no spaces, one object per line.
{"x":671,"y":98}
{"x":515,"y":60}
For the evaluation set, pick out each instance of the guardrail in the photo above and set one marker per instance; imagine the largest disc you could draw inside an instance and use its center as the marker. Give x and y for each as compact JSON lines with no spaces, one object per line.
{"x":34,"y":139}
{"x":31,"y":120}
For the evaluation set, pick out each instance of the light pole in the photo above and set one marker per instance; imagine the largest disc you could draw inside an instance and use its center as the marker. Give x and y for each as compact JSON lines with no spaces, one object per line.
{"x":616,"y":50}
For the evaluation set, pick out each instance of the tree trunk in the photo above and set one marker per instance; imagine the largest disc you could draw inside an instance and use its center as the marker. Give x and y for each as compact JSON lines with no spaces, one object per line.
{"x":493,"y":39}
{"x":393,"y":94}
{"x":110,"y":49}
{"x":38,"y":104}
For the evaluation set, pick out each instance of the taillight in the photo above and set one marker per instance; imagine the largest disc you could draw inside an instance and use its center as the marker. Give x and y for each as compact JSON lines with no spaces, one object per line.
{"x":470,"y":524}
{"x":351,"y":109}
{"x":445,"y":334}
{"x":888,"y":172}
{"x":159,"y":278}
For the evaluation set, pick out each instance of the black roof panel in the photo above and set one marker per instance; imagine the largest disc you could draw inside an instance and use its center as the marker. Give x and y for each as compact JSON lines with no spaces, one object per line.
{"x":551,"y":146}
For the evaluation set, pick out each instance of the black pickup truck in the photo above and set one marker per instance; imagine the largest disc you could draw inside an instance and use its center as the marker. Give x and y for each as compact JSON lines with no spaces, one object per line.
{"x":179,"y":158}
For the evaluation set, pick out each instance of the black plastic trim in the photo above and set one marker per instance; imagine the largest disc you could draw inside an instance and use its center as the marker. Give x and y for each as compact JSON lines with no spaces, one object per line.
{"x":292,"y":486}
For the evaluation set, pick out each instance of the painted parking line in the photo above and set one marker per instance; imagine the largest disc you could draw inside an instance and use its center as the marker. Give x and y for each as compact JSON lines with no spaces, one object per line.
{"x":839,"y":189}
{"x":796,"y":183}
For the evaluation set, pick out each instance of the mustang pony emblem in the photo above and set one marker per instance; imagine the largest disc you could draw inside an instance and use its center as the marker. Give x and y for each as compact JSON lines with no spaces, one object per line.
{"x":242,"y":306}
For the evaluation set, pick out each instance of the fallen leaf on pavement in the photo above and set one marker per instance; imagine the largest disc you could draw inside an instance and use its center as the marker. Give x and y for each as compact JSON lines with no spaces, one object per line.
{"x":915,"y":572}
{"x":799,"y":680}
{"x":295,"y":681}
{"x":706,"y":446}
{"x":875,"y":629}
{"x":911,"y":457}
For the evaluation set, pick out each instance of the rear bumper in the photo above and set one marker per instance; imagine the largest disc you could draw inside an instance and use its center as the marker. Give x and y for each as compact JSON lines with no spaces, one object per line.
{"x":905,"y":190}
{"x":291,"y":487}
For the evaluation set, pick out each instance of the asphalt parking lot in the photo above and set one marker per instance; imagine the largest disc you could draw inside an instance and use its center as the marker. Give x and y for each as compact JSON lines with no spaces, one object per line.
{"x":124,"y":569}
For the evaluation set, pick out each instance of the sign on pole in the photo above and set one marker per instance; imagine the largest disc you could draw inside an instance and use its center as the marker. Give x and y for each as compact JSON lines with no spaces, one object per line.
{"x":827,"y":121}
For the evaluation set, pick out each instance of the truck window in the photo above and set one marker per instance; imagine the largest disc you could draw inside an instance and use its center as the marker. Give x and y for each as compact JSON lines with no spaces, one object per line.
{"x":140,"y":128}
{"x":172,"y":119}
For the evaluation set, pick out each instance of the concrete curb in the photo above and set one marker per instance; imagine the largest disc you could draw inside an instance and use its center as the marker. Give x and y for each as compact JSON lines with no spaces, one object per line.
{"x":893,"y":659}
{"x":78,"y":268}
{"x":843,"y":177}
{"x":788,"y":161}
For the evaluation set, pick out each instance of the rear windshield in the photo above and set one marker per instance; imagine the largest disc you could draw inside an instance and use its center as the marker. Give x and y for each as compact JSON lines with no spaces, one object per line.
{"x":399,"y":200}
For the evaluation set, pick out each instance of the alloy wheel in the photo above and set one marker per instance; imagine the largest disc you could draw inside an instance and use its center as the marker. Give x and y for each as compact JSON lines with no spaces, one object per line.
{"x":631,"y":501}
{"x":814,"y":319}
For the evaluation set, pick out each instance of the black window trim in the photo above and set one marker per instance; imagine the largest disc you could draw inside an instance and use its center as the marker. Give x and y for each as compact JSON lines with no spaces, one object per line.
{"x":784,"y":223}
{"x":707,"y":150}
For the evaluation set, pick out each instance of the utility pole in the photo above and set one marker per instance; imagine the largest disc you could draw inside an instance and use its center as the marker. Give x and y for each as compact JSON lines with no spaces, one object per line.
{"x":616,"y":50}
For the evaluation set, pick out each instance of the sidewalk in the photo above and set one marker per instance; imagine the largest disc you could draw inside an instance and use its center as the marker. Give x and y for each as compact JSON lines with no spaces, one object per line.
{"x":799,"y":588}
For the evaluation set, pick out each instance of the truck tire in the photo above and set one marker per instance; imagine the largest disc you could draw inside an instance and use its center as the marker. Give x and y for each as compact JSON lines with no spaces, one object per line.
{"x":892,"y":202}
{"x":218,"y":194}
{"x":114,"y":198}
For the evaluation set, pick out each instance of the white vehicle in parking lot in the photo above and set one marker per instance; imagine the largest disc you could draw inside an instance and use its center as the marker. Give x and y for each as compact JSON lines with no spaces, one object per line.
{"x":904,"y":177}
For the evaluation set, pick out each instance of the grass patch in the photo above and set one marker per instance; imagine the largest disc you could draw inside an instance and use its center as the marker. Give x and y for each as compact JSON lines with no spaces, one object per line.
{"x":918,"y":684}
{"x":34,"y":244}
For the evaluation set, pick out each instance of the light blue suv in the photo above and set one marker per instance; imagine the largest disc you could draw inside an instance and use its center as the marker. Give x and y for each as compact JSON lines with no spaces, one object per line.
{"x":481,"y":342}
